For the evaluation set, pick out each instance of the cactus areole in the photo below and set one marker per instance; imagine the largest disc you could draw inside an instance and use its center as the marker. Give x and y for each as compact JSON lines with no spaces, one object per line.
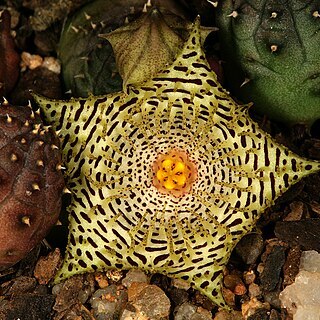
{"x":167,"y":176}
{"x":31,"y":181}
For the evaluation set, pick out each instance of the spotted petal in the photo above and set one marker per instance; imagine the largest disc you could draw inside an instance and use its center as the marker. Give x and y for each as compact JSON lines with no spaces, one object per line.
{"x":121,"y":218}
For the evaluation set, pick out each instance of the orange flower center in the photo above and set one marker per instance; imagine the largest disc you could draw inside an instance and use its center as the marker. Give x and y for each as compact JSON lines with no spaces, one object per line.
{"x":174,"y":173}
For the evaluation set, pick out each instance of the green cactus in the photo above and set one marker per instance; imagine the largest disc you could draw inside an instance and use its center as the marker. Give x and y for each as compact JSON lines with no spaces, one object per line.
{"x":271,"y":53}
{"x":87,"y":59}
{"x":89,"y":64}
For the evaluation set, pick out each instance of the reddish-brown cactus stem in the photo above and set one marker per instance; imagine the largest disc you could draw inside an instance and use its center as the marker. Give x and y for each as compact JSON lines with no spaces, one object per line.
{"x":31,"y":181}
{"x":9,"y":58}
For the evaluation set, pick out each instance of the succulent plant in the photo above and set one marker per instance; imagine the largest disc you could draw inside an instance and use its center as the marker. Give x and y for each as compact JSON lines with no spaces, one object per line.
{"x":88,"y":61}
{"x":31,"y":181}
{"x":150,"y":43}
{"x":48,"y":12}
{"x":147,"y":45}
{"x":9,"y":58}
{"x":271,"y":53}
{"x":167,"y":176}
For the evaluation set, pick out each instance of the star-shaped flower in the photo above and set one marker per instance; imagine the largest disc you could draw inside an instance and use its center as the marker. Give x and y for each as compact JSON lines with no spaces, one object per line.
{"x":167,"y":177}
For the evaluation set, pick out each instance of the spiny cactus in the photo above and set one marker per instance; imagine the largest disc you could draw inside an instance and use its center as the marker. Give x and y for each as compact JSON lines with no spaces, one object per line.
{"x":271,"y":53}
{"x":88,"y":63}
{"x":31,"y":181}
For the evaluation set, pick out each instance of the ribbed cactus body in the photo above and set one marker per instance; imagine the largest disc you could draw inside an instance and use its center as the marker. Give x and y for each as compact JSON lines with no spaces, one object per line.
{"x":31,"y":181}
{"x":88,"y":63}
{"x":271,"y":53}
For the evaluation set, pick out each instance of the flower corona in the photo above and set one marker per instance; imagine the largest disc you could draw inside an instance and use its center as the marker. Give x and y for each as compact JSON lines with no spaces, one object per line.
{"x":174,"y":173}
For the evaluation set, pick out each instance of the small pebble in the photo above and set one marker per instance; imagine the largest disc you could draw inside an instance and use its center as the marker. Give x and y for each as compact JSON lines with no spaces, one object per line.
{"x":19,"y":285}
{"x":269,"y":247}
{"x":310,"y":261}
{"x":46,"y":267}
{"x":297,"y":210}
{"x":249,"y":277}
{"x":250,"y":247}
{"x":274,"y":315}
{"x":178,"y":296}
{"x":204,"y":313}
{"x":57,"y":288}
{"x":88,"y":287}
{"x":201,"y":300}
{"x":148,"y":300}
{"x":272,"y":298}
{"x":115,"y":275}
{"x":229,"y":296}
{"x":108,"y":303}
{"x":260,"y":267}
{"x":73,"y":291}
{"x":260,"y":314}
{"x":254,"y":290}
{"x":235,"y":284}
{"x":250,"y":307}
{"x":226,"y":315}
{"x":102,"y":280}
{"x":52,"y":64}
{"x":180,"y":284}
{"x":270,"y":276}
{"x":188,"y":311}
{"x":134,"y":275}
{"x":291,"y":266}
{"x":132,"y":315}
{"x":31,"y":61}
